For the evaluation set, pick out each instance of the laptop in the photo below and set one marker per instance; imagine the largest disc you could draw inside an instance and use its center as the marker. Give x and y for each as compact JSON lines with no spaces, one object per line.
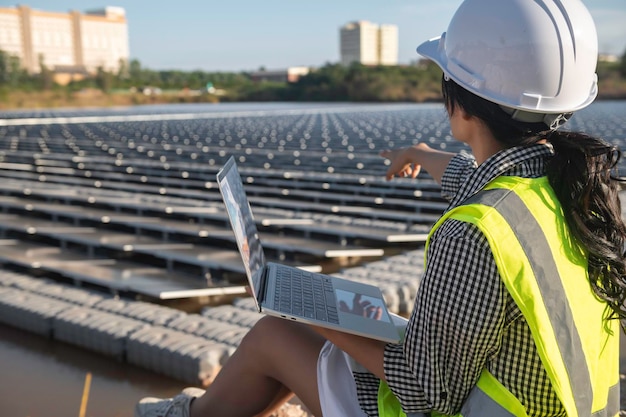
{"x":295,"y":294}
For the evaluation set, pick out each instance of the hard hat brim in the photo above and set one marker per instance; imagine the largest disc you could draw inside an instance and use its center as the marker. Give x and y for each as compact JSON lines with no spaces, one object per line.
{"x":431,"y":50}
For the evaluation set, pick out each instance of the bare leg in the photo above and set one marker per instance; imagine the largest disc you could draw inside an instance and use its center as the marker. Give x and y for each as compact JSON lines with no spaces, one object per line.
{"x":275,"y":359}
{"x":283,"y":395}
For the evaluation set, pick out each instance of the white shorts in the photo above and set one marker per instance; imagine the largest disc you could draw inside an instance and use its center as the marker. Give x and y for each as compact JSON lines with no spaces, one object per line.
{"x":335,"y":383}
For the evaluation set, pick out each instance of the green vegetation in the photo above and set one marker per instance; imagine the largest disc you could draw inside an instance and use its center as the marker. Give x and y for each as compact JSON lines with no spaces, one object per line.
{"x":134,"y":84}
{"x":612,"y":79}
{"x":354,"y":83}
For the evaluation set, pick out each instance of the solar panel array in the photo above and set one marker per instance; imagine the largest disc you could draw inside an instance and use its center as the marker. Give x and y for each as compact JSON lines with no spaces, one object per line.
{"x":125,"y":201}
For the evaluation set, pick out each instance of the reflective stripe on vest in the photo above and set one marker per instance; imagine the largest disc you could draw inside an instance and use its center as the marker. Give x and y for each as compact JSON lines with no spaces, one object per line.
{"x":535,"y":245}
{"x":573,"y":381}
{"x":534,"y":242}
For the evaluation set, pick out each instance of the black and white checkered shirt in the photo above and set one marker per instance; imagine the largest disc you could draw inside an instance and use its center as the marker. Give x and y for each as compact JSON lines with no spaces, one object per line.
{"x":464,"y":318}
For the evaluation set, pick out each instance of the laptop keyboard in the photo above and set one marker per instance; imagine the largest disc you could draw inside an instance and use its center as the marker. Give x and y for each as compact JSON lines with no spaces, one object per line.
{"x":304,"y":294}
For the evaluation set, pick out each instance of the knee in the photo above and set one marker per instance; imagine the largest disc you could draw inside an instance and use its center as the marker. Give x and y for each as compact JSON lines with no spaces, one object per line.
{"x":268,"y":330}
{"x":264,"y":323}
{"x":264,"y":330}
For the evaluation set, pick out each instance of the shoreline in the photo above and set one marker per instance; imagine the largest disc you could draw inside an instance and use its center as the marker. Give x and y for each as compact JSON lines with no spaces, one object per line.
{"x":51,"y":100}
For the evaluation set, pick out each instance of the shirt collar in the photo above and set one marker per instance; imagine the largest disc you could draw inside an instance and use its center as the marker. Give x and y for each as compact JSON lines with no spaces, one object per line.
{"x":523,"y":161}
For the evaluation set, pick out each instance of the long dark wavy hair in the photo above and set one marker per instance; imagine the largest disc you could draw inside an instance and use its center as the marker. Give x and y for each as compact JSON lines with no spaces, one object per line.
{"x":584,"y":178}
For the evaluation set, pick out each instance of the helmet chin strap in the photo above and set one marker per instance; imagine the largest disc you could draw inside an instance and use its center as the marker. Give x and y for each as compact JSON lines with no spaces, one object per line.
{"x":552,"y":120}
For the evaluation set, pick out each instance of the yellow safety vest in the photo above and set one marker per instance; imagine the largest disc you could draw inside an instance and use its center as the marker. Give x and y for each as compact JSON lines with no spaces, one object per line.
{"x":546,"y":274}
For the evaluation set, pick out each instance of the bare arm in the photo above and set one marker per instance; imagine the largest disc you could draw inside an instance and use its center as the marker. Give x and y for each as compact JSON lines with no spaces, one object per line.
{"x":409,"y":161}
{"x":368,"y":352}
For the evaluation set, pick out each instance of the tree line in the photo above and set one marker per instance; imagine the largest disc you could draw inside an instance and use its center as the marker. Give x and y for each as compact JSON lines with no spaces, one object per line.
{"x":331,"y":82}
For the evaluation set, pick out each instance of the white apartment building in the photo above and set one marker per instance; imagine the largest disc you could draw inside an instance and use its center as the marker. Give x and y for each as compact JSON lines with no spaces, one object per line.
{"x":388,"y":44}
{"x":61,"y":41}
{"x":369,"y":43}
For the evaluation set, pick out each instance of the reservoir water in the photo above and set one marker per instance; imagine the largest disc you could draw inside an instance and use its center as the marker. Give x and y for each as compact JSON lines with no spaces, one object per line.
{"x":42,"y":378}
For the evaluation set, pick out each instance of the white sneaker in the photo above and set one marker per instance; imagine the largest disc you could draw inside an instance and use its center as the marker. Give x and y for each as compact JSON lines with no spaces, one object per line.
{"x":177,"y":406}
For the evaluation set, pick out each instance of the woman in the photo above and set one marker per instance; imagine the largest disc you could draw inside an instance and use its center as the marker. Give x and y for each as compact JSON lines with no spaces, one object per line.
{"x":518,"y":309}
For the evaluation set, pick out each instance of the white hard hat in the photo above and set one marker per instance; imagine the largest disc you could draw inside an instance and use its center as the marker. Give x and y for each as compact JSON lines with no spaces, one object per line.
{"x":535,"y":56}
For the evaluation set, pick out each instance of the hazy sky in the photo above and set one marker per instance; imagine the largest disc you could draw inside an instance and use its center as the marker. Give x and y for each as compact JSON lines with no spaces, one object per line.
{"x":243,"y":35}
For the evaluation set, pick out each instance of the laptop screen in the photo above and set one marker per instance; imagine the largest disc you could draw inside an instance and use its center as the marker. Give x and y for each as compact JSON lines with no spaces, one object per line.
{"x":242,"y":222}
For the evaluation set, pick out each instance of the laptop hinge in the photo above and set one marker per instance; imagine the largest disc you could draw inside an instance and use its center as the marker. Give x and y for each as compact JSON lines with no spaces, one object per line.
{"x":263,"y":287}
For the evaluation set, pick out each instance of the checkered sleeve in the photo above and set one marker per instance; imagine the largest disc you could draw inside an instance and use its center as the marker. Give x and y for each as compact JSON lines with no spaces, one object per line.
{"x":455,"y":327}
{"x":457,"y":171}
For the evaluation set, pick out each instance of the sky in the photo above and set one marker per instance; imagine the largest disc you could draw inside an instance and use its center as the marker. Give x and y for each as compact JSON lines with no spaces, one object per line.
{"x":245,"y":35}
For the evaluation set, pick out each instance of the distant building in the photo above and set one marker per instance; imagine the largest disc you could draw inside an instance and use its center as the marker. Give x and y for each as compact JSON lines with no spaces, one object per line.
{"x":369,"y":43}
{"x":289,"y":75}
{"x":608,"y":58}
{"x":388,"y":48}
{"x":70,"y":43}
